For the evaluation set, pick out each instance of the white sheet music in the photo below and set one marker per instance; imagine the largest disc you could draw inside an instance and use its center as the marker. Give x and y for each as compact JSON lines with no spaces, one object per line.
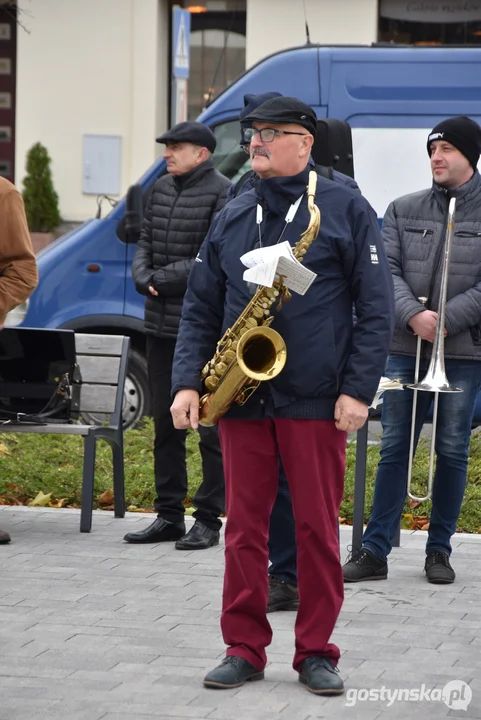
{"x":385,"y":384}
{"x":265,"y":265}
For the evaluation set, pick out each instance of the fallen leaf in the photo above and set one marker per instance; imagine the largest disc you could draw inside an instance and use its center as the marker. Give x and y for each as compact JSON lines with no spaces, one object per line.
{"x":106,"y":498}
{"x":414,"y":503}
{"x":41,"y":500}
{"x":4,"y":449}
{"x":58,"y":503}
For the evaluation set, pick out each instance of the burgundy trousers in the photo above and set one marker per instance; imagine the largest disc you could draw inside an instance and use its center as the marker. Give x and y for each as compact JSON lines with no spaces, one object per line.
{"x":313,"y":455}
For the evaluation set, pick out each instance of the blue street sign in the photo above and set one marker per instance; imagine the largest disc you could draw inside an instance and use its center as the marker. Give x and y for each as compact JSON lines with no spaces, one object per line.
{"x":180,"y":42}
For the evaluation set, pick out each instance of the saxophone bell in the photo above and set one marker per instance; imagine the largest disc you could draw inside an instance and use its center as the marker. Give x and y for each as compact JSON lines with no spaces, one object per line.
{"x":260,"y":355}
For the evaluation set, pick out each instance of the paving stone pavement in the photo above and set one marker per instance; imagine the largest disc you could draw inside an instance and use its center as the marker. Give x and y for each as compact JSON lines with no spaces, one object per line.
{"x":92,"y":628}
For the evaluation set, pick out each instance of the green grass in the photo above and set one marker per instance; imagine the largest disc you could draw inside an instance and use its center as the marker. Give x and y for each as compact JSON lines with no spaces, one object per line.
{"x":31,"y":463}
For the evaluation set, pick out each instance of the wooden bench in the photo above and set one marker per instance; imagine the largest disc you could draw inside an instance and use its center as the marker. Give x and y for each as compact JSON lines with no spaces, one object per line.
{"x":102,"y":360}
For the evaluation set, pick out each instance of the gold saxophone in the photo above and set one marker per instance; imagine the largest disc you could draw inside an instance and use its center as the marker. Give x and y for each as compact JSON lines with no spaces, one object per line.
{"x":250,"y":351}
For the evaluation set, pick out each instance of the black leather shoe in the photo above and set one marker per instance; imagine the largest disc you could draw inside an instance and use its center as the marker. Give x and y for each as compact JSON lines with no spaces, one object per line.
{"x":160,"y":531}
{"x":321,"y":676}
{"x":438,"y":569}
{"x":4,"y":537}
{"x":199,"y":537}
{"x":231,"y":673}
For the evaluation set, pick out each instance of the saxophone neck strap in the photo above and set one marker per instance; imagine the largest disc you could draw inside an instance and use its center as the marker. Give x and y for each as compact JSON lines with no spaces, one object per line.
{"x":291,"y":213}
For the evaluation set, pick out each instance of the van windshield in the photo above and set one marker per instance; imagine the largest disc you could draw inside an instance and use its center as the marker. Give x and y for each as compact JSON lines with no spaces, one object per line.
{"x":229,"y":158}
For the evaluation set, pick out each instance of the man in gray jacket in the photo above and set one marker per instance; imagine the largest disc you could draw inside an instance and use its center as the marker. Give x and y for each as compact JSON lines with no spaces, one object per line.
{"x":414,"y":231}
{"x":178,"y":216}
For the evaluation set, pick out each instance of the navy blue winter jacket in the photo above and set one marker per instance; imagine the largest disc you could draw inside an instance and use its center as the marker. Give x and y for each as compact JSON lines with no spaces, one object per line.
{"x":326,"y":354}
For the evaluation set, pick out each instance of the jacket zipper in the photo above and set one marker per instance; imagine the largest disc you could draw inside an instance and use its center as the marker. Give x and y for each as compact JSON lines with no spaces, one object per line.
{"x":168,"y":224}
{"x":419,"y":231}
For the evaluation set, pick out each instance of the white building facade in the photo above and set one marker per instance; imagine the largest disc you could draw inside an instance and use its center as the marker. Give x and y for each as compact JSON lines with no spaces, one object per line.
{"x":95,"y":76}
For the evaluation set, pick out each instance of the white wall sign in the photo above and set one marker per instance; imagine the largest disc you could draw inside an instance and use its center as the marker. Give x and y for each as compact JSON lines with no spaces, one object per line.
{"x":452,"y":11}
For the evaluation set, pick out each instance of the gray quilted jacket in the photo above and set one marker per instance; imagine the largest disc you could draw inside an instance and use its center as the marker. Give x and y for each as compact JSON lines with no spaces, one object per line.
{"x":414,"y":230}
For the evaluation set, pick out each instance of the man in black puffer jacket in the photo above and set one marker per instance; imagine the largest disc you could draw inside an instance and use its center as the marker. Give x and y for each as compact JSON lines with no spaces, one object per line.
{"x":177,"y":218}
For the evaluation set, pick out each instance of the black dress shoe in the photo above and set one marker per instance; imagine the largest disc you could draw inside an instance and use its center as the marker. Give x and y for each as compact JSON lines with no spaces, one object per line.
{"x":199,"y":537}
{"x":321,"y":676}
{"x":4,"y":537}
{"x":160,"y":531}
{"x":231,"y":673}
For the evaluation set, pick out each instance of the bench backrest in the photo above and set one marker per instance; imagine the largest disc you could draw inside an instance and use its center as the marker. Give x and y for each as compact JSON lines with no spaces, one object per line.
{"x":102,"y":360}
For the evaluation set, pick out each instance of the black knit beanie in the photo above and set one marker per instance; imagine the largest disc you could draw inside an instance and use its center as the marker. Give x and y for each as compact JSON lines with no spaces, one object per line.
{"x":463,"y":133}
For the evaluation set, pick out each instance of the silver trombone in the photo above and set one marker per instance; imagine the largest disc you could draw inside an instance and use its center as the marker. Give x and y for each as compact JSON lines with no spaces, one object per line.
{"x":435,"y":379}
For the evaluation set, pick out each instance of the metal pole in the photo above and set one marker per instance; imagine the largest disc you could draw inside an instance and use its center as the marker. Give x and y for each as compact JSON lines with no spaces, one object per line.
{"x":359,"y":485}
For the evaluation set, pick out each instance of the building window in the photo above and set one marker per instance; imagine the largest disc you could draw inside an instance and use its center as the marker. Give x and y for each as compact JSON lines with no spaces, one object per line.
{"x":430,"y":23}
{"x":217,"y":49}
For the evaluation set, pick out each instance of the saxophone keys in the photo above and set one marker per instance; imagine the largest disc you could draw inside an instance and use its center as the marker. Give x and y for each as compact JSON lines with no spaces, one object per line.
{"x":257,"y":311}
{"x":220,"y":368}
{"x":211,"y":383}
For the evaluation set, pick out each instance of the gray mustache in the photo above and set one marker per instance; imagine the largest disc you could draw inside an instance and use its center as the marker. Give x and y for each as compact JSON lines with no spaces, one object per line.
{"x":260,"y":151}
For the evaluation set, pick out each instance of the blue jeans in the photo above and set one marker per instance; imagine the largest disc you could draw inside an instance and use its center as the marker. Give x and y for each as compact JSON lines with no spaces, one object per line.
{"x":453,"y":435}
{"x":282,"y":535}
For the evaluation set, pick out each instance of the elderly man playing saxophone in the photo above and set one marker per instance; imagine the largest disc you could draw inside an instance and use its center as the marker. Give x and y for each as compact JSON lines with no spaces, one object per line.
{"x":303,"y":414}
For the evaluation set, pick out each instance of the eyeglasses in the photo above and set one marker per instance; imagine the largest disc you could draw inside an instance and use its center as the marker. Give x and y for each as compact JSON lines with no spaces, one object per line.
{"x":267,"y":134}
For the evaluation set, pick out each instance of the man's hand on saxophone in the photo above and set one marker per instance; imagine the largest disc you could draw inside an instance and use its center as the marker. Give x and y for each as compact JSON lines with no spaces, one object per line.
{"x":185,"y":410}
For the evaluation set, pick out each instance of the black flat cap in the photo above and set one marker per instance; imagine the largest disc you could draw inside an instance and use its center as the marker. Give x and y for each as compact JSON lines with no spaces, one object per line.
{"x":283,"y":110}
{"x":192,"y":132}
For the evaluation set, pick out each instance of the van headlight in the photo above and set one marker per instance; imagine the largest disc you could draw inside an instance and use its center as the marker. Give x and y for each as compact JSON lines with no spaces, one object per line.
{"x":17,"y":316}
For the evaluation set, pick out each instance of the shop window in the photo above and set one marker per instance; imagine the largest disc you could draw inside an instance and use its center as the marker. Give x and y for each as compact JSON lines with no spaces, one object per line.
{"x":430,"y":23}
{"x":217,"y":49}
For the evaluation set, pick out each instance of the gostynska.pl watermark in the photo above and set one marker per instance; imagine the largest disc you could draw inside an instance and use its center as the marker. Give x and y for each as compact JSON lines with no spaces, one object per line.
{"x":456,"y":694}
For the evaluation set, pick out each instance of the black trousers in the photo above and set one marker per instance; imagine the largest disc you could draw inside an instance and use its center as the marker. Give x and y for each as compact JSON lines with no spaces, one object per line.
{"x":169,"y":449}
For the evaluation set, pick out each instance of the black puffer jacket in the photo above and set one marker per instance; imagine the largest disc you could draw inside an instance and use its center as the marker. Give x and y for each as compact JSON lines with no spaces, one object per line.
{"x":176,"y":222}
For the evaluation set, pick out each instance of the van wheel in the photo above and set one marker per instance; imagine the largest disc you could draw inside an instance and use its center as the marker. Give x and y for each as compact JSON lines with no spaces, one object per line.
{"x":136,"y":391}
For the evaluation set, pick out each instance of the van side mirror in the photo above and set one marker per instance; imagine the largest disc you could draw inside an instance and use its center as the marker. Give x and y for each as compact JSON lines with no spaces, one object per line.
{"x":134,"y":213}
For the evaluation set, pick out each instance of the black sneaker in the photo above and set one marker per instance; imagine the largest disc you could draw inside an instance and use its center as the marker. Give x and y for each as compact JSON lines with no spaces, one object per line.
{"x":282,"y":596}
{"x":362,"y":564}
{"x":321,"y":676}
{"x":231,"y":673}
{"x":438,"y":569}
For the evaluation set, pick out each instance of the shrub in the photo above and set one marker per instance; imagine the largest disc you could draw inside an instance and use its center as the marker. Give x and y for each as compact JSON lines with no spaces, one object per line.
{"x":40,"y":198}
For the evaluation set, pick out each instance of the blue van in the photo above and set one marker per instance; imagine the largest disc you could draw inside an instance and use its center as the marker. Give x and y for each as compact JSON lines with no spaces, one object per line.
{"x":391,"y":97}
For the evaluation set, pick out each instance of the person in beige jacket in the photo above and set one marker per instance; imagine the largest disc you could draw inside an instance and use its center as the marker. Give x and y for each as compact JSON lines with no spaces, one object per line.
{"x":18,"y":267}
